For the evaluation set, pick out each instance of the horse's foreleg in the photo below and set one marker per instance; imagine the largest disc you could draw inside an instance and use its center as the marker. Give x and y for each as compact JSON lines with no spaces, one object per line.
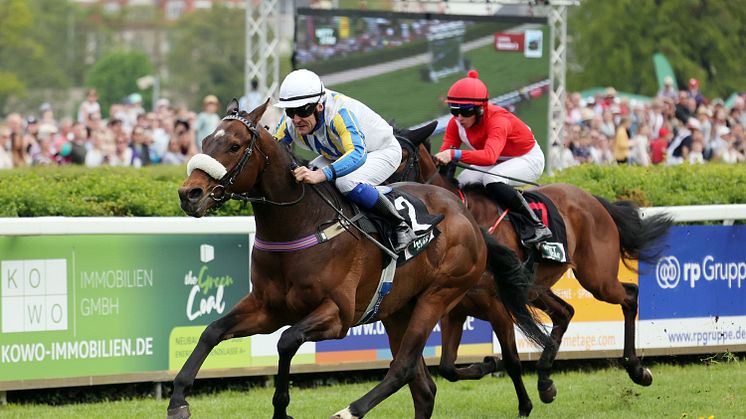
{"x":637,"y":373}
{"x":404,"y":366}
{"x":561,"y":313}
{"x":323,"y":323}
{"x":422,"y":387}
{"x":243,"y":320}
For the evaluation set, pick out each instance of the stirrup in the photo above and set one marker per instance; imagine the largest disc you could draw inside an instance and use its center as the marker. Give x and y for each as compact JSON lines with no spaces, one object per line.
{"x":541,"y":233}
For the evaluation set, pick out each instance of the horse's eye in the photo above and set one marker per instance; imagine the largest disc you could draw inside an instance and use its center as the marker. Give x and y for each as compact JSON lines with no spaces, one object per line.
{"x":235,"y":147}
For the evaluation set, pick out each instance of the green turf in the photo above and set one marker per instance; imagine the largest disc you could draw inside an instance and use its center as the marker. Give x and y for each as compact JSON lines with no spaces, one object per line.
{"x":692,"y":391}
{"x":404,"y":97}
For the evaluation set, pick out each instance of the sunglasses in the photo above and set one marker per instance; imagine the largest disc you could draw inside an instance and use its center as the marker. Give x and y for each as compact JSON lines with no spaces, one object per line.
{"x":465,"y":112}
{"x":303,"y":111}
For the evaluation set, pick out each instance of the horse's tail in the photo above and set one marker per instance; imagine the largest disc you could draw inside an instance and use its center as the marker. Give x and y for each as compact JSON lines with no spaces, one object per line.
{"x":640,"y":238}
{"x":513,"y":282}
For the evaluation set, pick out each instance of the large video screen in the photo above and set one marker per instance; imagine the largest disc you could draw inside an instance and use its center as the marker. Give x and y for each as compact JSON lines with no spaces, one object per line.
{"x":402,"y":64}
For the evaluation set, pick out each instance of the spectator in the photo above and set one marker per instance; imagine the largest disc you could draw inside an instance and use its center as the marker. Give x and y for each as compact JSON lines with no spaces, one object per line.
{"x":45,"y":153}
{"x":142,"y":143}
{"x":123,"y":154}
{"x":207,"y":120}
{"x":252,"y":99}
{"x":99,"y":153}
{"x":681,"y":145}
{"x":667,"y":91}
{"x":639,"y":147}
{"x":6,"y":160}
{"x":621,"y":141}
{"x":79,"y":144}
{"x":89,"y":106}
{"x":695,"y":93}
{"x":174,"y":154}
{"x":658,"y":146}
{"x":696,"y":156}
{"x":19,"y":150}
{"x":185,"y":137}
{"x":607,"y":126}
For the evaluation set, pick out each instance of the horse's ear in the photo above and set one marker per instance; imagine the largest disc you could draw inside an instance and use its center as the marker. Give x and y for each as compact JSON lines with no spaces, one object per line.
{"x":419,"y":135}
{"x":257,"y":113}
{"x":232,"y":107}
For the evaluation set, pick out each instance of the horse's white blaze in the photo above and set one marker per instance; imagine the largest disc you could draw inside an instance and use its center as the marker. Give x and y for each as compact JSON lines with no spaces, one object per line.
{"x":345,"y":414}
{"x":207,"y":164}
{"x":219,"y":133}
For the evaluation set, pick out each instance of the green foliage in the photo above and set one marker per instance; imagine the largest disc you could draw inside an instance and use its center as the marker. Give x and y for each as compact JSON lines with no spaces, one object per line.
{"x":106,"y":191}
{"x":207,"y":56}
{"x":152,"y":191}
{"x":613,"y":43}
{"x":660,"y":185}
{"x":115,"y":76}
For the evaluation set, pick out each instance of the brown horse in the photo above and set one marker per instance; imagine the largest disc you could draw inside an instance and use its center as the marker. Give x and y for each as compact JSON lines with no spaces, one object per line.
{"x":598,"y":234}
{"x":324,"y":288}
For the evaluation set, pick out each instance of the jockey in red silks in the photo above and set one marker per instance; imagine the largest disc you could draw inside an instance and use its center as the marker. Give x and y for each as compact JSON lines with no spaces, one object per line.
{"x":495,"y":141}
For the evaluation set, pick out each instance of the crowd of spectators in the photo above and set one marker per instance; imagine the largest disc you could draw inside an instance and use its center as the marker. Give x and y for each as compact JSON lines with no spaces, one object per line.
{"x":675,"y":127}
{"x":127,"y":135}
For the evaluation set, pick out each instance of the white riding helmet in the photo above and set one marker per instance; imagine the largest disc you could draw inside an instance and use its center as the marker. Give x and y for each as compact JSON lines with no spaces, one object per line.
{"x":299,"y":88}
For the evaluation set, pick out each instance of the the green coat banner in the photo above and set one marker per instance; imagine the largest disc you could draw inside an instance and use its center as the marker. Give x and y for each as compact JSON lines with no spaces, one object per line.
{"x":76,"y":306}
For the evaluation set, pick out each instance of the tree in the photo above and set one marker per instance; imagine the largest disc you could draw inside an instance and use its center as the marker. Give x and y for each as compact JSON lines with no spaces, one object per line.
{"x":613,"y":43}
{"x":15,"y":23}
{"x":207,"y":56}
{"x":115,"y":76}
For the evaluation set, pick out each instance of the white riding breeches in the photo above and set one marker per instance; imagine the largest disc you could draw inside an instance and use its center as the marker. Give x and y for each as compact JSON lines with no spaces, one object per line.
{"x":379,"y":165}
{"x":527,"y":167}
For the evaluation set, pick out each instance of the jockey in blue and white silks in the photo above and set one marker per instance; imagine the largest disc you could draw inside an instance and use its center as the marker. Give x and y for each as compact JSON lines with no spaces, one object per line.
{"x":356,"y":146}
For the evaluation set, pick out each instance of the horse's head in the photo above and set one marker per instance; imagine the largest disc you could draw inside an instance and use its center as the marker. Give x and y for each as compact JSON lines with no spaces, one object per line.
{"x":231,"y":161}
{"x":414,"y":143}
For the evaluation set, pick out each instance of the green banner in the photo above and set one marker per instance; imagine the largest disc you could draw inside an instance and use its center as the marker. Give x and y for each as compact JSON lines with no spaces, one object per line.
{"x":75,"y":306}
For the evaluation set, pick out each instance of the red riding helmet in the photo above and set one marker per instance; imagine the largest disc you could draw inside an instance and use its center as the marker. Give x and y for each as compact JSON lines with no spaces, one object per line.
{"x":468,"y":91}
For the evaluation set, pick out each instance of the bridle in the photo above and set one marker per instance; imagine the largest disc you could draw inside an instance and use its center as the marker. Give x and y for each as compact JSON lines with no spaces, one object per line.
{"x":411,"y":170}
{"x":220,"y":193}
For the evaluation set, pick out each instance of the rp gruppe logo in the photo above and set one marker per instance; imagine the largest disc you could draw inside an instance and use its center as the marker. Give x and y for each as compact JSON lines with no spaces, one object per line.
{"x":668,"y":272}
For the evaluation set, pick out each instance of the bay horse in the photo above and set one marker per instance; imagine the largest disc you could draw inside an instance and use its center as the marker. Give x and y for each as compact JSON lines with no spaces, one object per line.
{"x":324,"y":287}
{"x":599,"y":234}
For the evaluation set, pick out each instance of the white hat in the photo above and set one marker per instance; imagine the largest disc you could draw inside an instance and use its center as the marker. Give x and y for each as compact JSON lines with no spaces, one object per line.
{"x":693,"y":123}
{"x":299,"y":88}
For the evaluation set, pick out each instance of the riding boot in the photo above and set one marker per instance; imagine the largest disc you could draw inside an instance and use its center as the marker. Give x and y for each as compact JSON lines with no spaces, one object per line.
{"x":404,"y":233}
{"x":507,"y":195}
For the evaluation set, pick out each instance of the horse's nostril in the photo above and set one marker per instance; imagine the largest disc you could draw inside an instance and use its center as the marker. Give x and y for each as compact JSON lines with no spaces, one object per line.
{"x":194,"y":193}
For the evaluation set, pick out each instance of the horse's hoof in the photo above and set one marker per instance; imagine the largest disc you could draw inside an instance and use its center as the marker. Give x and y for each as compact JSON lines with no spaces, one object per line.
{"x":525,"y":410}
{"x":181,"y":412}
{"x":549,"y":394}
{"x":646,"y":378}
{"x":344,"y":414}
{"x":495,"y":363}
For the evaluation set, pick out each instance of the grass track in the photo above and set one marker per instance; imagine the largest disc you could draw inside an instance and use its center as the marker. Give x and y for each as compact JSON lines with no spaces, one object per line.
{"x":691,"y":391}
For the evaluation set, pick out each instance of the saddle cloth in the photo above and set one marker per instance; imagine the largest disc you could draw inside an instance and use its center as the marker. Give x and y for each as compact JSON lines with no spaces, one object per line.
{"x":554,"y":248}
{"x":415,"y":212}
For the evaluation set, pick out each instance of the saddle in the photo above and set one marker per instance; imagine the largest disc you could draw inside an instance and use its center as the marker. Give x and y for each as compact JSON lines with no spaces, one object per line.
{"x":414,"y":212}
{"x":553,"y":249}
